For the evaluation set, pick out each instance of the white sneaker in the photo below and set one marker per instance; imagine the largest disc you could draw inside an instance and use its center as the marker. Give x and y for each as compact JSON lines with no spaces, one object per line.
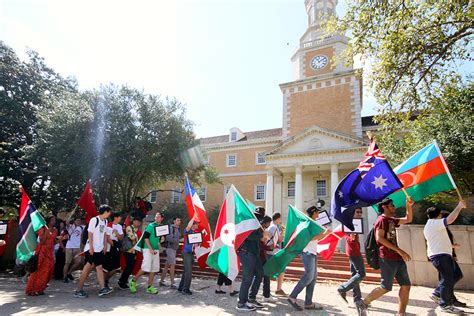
{"x":451,"y":309}
{"x":271,"y":298}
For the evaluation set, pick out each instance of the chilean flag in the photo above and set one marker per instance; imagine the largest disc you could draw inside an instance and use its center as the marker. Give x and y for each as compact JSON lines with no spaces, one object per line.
{"x":195,"y":206}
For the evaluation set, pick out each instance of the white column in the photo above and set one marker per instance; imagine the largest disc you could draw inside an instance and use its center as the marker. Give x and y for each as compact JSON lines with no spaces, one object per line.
{"x":269,"y":192}
{"x":334,"y":179}
{"x":299,"y":188}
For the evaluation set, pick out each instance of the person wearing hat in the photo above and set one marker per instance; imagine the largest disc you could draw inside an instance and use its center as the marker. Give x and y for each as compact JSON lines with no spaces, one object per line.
{"x":188,"y":258}
{"x":252,"y":267}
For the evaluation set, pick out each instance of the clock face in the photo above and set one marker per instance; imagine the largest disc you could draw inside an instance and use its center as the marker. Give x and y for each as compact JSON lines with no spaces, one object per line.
{"x":319,"y":62}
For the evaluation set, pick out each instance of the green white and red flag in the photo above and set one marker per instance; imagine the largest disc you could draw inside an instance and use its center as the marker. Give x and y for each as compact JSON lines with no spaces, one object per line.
{"x":236,"y":222}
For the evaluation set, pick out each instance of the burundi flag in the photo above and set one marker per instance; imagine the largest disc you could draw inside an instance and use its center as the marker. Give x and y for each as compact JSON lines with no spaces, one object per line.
{"x":30,"y":222}
{"x":300,"y":230}
{"x":236,"y":222}
{"x":423,"y":174}
{"x":195,"y":206}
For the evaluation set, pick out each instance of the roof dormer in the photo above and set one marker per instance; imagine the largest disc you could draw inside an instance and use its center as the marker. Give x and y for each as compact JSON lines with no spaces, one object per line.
{"x":235,"y":134}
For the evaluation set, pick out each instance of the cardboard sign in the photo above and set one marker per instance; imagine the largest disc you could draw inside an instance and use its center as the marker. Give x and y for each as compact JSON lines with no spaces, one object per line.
{"x":323,"y":218}
{"x":195,"y":238}
{"x":162,"y":230}
{"x":358,"y":226}
{"x":3,"y":229}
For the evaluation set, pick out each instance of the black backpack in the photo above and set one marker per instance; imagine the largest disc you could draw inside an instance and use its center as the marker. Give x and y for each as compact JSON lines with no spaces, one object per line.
{"x":85,"y":231}
{"x":372,"y":250}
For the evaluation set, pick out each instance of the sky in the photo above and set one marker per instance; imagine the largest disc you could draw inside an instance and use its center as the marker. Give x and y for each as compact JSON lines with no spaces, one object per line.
{"x":224,"y":59}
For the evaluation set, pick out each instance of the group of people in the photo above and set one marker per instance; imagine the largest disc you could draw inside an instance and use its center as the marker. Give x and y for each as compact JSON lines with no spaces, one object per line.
{"x":106,"y":241}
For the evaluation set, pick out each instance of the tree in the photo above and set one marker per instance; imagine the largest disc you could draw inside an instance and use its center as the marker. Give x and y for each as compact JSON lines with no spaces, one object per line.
{"x":449,"y":121}
{"x":25,"y":87}
{"x":415,"y":47}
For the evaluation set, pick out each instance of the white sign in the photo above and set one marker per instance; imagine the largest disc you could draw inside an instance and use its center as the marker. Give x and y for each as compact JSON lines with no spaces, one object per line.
{"x":195,"y":238}
{"x":3,"y":229}
{"x":323,"y":218}
{"x":162,"y":230}
{"x":358,"y":226}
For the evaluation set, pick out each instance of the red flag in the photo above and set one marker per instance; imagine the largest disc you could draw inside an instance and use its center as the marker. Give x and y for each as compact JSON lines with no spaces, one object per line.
{"x":195,"y":207}
{"x":86,"y":202}
{"x":327,"y":245}
{"x":127,"y":221}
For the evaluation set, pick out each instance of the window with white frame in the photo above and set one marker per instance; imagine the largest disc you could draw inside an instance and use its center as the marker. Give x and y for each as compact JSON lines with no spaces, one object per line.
{"x":231,"y":160}
{"x":291,"y":188}
{"x":153,"y":196}
{"x":233,"y":136}
{"x":226,"y":190}
{"x":202,"y":194}
{"x":260,"y":158}
{"x":321,"y":188}
{"x":259,"y":192}
{"x":175,"y":196}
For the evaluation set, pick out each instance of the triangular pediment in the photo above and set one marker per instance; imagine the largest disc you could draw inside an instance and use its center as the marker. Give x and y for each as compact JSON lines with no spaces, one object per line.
{"x":317,"y":139}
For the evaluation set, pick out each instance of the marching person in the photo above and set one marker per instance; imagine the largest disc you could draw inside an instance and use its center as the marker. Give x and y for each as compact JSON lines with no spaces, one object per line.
{"x":73,"y":249}
{"x":221,"y":280}
{"x":275,"y":232}
{"x":172,"y":245}
{"x":356,"y":263}
{"x":188,"y":258}
{"x":112,"y":258}
{"x":131,"y":238}
{"x":440,"y":253}
{"x":308,"y":280}
{"x":252,"y":268}
{"x":392,"y":258}
{"x":150,"y":244}
{"x":39,"y":279}
{"x":94,"y":252}
{"x":265,"y":249}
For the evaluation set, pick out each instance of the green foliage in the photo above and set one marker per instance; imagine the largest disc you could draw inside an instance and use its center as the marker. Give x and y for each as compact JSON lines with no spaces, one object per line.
{"x":449,"y":121}
{"x":414,"y":47}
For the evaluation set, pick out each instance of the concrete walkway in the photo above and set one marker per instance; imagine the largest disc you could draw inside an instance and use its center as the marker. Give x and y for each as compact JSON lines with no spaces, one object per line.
{"x":59,"y":300}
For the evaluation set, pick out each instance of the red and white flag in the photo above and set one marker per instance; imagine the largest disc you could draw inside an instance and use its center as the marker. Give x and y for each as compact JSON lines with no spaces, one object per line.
{"x":327,"y":245}
{"x":195,"y":206}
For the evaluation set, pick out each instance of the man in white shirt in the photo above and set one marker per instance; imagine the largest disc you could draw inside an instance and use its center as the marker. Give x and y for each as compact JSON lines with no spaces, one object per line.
{"x":94,"y":251}
{"x":440,"y":251}
{"x":112,"y":258}
{"x":73,"y":249}
{"x":273,"y":245}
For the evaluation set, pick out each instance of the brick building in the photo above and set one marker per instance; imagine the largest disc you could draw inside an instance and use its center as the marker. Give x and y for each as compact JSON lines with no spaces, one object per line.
{"x":320,"y":141}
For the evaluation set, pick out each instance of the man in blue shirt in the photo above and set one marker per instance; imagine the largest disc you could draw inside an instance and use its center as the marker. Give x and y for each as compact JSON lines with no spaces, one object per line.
{"x":188,"y":258}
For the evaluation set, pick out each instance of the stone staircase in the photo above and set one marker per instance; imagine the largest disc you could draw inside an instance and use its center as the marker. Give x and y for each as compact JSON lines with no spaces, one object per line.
{"x":337,"y":269}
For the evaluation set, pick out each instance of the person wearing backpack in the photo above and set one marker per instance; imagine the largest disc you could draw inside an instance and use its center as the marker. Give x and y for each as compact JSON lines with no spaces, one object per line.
{"x":392,"y":258}
{"x":172,"y":245}
{"x":130,"y":239}
{"x":94,"y":252}
{"x":356,"y":263}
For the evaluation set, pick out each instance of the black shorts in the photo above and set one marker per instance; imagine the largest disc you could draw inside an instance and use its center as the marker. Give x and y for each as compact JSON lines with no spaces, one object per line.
{"x":112,"y":260}
{"x":96,"y":259}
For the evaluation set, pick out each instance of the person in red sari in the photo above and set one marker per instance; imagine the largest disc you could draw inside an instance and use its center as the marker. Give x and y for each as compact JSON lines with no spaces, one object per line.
{"x":45,"y":249}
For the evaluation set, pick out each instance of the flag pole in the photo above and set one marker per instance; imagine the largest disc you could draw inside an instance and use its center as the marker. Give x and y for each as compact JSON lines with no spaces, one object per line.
{"x":459,"y":193}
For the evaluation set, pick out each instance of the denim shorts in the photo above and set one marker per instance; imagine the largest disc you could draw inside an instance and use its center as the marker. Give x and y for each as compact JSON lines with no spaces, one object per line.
{"x":390,"y":269}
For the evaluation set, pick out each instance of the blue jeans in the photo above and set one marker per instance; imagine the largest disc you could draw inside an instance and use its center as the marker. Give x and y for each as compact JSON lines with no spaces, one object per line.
{"x":188,"y":260}
{"x":447,"y":278}
{"x":252,"y":274}
{"x":358,"y":274}
{"x":308,"y":279}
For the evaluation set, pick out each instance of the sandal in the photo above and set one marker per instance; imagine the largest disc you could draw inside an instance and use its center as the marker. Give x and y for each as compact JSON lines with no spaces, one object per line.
{"x":234,"y":293}
{"x":295,"y":305}
{"x":220,"y":292}
{"x":314,"y":307}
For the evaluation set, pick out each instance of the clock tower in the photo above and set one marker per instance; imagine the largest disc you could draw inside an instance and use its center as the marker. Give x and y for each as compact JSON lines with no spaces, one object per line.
{"x":326,"y":92}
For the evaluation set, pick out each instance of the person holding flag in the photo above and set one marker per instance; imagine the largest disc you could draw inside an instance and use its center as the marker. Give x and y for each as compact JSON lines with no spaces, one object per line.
{"x":196,"y":208}
{"x":309,"y":256}
{"x":392,"y":258}
{"x":39,"y":279}
{"x":188,"y":257}
{"x":356,"y":263}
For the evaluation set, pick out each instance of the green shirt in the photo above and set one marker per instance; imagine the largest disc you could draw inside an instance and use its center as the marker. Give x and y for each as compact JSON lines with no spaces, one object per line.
{"x":154,"y":241}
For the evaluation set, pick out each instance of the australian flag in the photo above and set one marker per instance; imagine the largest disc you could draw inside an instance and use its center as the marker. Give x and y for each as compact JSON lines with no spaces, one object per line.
{"x":367,"y":185}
